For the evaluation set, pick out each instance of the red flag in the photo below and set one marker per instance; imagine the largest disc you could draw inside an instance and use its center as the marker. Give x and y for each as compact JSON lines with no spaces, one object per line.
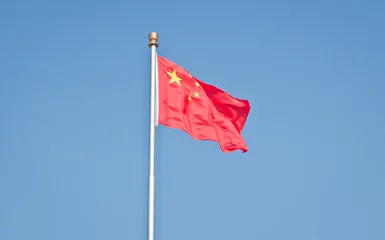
{"x":204,"y":111}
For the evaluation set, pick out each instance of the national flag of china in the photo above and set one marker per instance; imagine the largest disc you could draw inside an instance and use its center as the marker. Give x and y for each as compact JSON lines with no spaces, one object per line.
{"x":204,"y":111}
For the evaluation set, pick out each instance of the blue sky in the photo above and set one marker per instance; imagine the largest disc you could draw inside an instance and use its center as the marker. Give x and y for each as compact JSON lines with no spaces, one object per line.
{"x":74,"y":115}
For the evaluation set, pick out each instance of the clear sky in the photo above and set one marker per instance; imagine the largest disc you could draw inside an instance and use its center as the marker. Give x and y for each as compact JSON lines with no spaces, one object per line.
{"x":74,"y":120}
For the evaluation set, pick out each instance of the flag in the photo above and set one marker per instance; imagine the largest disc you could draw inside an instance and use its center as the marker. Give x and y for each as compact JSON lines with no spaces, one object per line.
{"x":204,"y":111}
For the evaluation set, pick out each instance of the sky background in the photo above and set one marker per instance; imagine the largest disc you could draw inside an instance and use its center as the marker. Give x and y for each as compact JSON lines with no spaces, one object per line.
{"x":74,"y":120}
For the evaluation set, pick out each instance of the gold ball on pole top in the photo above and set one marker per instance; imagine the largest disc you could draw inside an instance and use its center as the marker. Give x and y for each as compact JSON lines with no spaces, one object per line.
{"x":153,"y":39}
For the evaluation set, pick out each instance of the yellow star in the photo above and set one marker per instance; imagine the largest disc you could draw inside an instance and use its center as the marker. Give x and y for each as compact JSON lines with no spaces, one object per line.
{"x":189,"y":75}
{"x":174,"y":77}
{"x":189,"y":98}
{"x":197,"y":84}
{"x":196,"y":94}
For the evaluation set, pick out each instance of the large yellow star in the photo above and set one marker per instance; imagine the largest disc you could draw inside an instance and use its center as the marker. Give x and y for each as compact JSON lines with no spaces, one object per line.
{"x":174,"y":77}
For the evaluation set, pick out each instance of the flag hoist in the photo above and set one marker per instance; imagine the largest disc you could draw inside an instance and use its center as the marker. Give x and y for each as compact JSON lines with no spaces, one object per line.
{"x":153,"y":44}
{"x":179,"y":100}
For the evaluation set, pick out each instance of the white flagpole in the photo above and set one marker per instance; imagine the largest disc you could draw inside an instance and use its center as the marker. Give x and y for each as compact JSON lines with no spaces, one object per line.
{"x":156,"y":92}
{"x":153,"y":44}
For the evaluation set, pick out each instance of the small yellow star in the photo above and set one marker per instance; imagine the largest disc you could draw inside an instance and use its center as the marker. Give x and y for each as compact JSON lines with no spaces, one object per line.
{"x":189,"y":98}
{"x":197,"y":84}
{"x":190,"y":75}
{"x":174,"y":77}
{"x":196,"y":94}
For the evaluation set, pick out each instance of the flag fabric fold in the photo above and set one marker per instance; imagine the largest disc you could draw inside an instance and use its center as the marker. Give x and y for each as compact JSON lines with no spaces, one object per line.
{"x":204,"y":111}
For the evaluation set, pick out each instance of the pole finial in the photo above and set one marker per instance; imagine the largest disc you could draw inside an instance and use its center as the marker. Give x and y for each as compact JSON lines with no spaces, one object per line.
{"x":153,"y":39}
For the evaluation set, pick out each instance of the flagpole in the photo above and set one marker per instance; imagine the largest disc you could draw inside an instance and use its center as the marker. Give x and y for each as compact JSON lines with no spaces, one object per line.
{"x":153,"y":44}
